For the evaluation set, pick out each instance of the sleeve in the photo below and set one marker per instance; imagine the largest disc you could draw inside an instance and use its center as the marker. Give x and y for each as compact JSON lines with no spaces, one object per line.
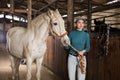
{"x":87,"y":43}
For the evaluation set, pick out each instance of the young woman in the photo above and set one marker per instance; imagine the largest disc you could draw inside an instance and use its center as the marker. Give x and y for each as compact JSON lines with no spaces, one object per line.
{"x":80,"y":40}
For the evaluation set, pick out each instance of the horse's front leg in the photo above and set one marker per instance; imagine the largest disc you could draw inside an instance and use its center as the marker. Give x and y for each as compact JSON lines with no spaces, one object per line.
{"x":29,"y":66}
{"x":38,"y":67}
{"x":15,"y":62}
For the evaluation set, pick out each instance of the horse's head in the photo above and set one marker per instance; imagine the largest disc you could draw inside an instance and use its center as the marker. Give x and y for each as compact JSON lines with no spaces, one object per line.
{"x":57,"y":26}
{"x":101,"y":28}
{"x":99,"y":25}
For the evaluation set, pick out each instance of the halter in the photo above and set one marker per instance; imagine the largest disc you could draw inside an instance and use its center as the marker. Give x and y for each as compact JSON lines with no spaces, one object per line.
{"x":60,"y":36}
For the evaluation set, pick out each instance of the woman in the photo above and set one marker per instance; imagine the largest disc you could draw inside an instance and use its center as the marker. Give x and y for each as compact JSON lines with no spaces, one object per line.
{"x":80,"y":40}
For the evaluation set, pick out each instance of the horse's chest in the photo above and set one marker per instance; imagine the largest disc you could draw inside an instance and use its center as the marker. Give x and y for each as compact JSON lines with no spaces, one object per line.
{"x":38,"y":51}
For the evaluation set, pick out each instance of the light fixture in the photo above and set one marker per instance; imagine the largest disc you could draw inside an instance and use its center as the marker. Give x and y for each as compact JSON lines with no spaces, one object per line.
{"x":8,"y":5}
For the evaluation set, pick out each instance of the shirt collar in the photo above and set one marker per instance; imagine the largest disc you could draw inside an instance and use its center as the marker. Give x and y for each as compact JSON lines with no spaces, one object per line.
{"x":80,"y":29}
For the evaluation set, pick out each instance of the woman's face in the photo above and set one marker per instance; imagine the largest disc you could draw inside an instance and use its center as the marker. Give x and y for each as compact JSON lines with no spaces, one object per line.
{"x":80,"y":24}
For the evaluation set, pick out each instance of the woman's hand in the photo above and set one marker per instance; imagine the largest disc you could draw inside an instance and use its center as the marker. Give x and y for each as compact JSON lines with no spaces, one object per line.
{"x":81,"y":52}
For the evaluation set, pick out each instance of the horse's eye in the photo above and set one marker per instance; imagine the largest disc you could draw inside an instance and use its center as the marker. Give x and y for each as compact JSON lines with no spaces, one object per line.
{"x":55,"y":23}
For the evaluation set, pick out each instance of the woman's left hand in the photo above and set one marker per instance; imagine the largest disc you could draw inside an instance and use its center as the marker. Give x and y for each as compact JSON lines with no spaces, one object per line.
{"x":81,"y":52}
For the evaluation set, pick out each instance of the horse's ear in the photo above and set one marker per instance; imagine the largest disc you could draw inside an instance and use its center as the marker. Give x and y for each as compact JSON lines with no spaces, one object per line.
{"x":94,"y":21}
{"x":50,"y":12}
{"x":103,"y":20}
{"x":56,"y":11}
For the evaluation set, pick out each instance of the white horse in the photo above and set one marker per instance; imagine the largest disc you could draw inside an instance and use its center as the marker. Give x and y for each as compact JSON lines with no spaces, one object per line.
{"x":30,"y":43}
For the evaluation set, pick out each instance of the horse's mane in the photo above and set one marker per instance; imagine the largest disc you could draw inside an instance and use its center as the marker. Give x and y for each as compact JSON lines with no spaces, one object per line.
{"x":39,"y":19}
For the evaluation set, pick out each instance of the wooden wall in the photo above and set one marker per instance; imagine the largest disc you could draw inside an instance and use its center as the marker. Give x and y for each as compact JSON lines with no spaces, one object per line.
{"x":104,"y":67}
{"x":99,"y":67}
{"x":56,"y":58}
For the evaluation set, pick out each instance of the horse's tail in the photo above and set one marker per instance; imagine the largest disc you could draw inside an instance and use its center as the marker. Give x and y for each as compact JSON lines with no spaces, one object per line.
{"x":7,"y":42}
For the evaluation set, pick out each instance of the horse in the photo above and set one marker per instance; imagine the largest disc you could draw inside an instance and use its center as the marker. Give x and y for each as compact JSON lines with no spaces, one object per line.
{"x":30,"y":42}
{"x":103,"y":35}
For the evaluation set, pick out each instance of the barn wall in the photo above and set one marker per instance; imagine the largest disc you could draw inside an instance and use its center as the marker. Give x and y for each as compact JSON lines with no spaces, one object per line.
{"x":99,"y":68}
{"x":7,"y":26}
{"x":3,"y":32}
{"x":55,"y":58}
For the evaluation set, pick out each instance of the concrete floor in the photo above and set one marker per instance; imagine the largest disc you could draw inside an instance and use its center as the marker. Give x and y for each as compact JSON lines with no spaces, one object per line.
{"x":5,"y":69}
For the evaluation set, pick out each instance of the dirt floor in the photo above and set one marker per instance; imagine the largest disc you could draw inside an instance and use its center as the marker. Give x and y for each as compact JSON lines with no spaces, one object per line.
{"x":5,"y":69}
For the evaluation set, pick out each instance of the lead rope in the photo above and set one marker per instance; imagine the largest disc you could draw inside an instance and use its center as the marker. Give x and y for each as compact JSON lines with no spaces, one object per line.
{"x":80,"y":61}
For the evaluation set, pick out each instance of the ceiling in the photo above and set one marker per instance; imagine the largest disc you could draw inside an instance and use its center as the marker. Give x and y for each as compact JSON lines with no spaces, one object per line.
{"x":99,"y":8}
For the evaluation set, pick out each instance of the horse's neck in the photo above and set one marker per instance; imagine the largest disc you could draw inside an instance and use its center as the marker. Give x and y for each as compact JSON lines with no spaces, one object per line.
{"x":40,"y":27}
{"x":41,"y":34}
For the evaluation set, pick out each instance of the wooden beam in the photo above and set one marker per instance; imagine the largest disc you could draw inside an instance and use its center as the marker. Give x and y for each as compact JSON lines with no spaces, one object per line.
{"x":101,"y":1}
{"x":100,"y":9}
{"x":70,"y":19}
{"x":15,"y":10}
{"x":11,"y":6}
{"x":108,"y":16}
{"x":12,"y":11}
{"x":29,"y":14}
{"x":44,"y":7}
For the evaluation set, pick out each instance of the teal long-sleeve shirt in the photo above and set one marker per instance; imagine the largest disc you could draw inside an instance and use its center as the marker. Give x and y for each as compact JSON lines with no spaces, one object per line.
{"x":79,"y":40}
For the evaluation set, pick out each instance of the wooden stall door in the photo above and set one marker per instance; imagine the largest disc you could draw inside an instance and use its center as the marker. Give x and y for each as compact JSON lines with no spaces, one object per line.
{"x":98,"y":67}
{"x":104,"y":67}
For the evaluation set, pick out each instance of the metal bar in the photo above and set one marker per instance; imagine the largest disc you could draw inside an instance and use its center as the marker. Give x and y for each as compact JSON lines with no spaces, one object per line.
{"x":89,"y":16}
{"x":56,"y":4}
{"x":4,"y":23}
